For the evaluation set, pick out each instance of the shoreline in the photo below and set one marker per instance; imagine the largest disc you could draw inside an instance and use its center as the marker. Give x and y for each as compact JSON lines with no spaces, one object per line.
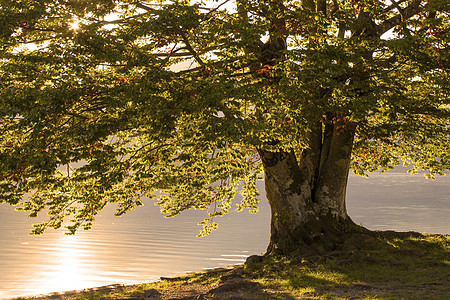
{"x":55,"y":295}
{"x":117,"y":286}
{"x":391,"y":265}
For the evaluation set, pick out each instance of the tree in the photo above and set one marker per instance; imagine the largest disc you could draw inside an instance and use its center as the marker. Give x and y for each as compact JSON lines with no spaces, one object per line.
{"x":110,"y":101}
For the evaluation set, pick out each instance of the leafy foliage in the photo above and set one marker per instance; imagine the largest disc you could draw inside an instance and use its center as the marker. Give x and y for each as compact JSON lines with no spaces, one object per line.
{"x":111,"y":101}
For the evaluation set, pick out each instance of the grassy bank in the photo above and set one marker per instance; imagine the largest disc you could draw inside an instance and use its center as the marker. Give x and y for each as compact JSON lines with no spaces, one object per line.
{"x":388,"y":266}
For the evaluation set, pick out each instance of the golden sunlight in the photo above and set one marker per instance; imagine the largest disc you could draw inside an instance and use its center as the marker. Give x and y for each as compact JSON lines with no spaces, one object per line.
{"x":68,"y":273}
{"x":75,"y":25}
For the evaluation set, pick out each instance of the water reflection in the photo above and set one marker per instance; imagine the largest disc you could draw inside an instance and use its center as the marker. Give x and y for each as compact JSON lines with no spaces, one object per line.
{"x":142,"y":246}
{"x":65,"y":270}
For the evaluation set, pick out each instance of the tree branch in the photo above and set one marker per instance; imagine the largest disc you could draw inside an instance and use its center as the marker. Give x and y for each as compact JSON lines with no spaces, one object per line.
{"x":394,"y":5}
{"x":216,"y":64}
{"x":31,"y":28}
{"x":211,"y":10}
{"x":193,"y":52}
{"x":182,"y":54}
{"x":407,"y":13}
{"x":143,"y":6}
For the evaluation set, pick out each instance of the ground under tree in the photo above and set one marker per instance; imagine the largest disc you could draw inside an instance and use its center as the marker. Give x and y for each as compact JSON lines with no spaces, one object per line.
{"x":191,"y":102}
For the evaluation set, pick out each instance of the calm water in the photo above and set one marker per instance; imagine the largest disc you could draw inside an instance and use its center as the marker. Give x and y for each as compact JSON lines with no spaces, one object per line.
{"x":142,"y":246}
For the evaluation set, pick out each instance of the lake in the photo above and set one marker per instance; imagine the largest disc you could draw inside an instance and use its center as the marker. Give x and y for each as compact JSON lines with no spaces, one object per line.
{"x":143,"y":246}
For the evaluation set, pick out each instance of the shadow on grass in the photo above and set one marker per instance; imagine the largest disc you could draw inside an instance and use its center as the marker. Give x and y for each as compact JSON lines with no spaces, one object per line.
{"x":381,"y":265}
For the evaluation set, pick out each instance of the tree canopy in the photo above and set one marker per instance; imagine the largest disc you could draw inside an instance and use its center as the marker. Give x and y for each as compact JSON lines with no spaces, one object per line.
{"x":110,"y":101}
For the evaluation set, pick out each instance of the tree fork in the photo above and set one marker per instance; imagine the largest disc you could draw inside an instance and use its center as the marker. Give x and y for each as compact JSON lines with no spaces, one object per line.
{"x":306,"y":192}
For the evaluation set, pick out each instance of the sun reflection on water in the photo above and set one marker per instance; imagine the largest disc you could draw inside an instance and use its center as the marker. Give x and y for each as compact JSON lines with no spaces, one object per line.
{"x":67,"y":272}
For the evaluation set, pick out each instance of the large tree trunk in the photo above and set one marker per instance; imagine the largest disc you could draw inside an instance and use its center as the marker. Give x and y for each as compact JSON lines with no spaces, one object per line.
{"x":305,"y":187}
{"x":306,"y":191}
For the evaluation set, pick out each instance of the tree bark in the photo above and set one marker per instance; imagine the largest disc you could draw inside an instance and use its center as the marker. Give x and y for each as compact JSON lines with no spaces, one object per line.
{"x":306,"y":192}
{"x":306,"y":187}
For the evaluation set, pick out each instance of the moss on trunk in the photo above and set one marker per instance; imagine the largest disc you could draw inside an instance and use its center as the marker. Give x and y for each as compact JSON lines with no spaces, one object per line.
{"x":306,"y":191}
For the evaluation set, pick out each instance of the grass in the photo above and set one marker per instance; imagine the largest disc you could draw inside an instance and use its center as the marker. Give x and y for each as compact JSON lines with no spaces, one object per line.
{"x":383,"y":267}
